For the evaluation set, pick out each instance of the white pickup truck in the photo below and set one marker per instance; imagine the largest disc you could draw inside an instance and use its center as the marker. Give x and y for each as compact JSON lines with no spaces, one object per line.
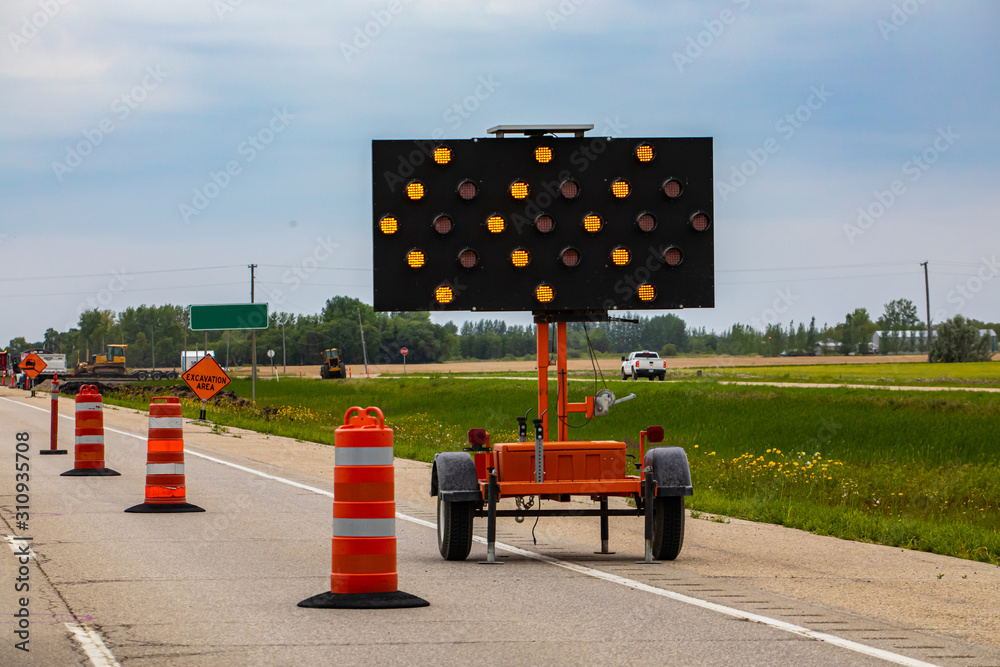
{"x":643,"y":364}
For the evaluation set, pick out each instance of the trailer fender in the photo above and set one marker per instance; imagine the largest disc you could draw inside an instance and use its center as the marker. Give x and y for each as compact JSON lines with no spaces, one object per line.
{"x":670,"y":470}
{"x":453,"y":477}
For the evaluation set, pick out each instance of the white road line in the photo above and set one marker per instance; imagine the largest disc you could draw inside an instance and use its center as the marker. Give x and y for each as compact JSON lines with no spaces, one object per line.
{"x":857,"y":647}
{"x":92,"y":645}
{"x":16,"y":545}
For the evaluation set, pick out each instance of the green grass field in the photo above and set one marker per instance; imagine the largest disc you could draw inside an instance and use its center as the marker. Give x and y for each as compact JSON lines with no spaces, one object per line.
{"x":981,"y":374}
{"x":912,"y":469}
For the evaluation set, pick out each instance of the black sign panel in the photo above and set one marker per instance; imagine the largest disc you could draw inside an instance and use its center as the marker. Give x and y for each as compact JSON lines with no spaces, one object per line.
{"x":543,"y":224}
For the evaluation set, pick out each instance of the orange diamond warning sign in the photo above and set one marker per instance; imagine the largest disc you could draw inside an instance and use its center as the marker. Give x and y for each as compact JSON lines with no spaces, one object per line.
{"x":206,"y":378}
{"x":32,"y":365}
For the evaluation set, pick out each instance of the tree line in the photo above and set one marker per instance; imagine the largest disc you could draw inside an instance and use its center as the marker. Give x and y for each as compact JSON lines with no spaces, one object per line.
{"x":156,"y":336}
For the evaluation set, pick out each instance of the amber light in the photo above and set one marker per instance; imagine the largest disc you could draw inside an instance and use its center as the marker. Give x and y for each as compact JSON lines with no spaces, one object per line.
{"x":442,"y":155}
{"x":444,"y":294}
{"x":569,"y":189}
{"x":699,"y":222}
{"x":544,"y":293}
{"x":544,"y":224}
{"x":620,"y":189}
{"x":495,"y":224}
{"x":415,"y":259}
{"x":673,"y":256}
{"x":672,"y":188}
{"x":543,"y":154}
{"x":646,"y":292}
{"x":592,"y":222}
{"x":388,"y":225}
{"x":468,"y":258}
{"x":467,"y":190}
{"x":645,"y":153}
{"x":442,"y":224}
{"x":520,"y":258}
{"x":620,"y":256}
{"x":415,"y":190}
{"x":570,"y":257}
{"x":646,"y":222}
{"x":518,"y":189}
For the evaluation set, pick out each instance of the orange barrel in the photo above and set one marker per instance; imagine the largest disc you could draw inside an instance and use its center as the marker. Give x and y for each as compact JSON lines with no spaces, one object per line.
{"x":363,"y":573}
{"x":89,"y":459}
{"x":165,"y":485}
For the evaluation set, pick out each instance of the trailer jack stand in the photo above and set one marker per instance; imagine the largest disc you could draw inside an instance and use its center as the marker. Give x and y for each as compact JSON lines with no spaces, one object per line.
{"x":492,"y":491}
{"x":649,"y":491}
{"x":604,"y":528}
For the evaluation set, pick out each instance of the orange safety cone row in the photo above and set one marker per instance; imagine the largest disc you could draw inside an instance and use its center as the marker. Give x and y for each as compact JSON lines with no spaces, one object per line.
{"x":89,"y":459}
{"x":364,"y":519}
{"x":165,"y":483}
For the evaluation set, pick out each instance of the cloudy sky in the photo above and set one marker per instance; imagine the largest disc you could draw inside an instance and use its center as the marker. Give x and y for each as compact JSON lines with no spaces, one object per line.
{"x":150,"y":151}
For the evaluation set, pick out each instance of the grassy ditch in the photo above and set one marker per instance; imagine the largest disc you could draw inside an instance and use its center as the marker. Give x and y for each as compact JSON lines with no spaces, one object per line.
{"x":978,"y":374}
{"x":919,"y":470}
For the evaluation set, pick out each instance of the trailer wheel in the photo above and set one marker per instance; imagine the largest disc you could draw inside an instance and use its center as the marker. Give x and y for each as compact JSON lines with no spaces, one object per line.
{"x":668,"y":527}
{"x":454,"y":529}
{"x":157,"y":375}
{"x":172,"y":375}
{"x":141,"y":375}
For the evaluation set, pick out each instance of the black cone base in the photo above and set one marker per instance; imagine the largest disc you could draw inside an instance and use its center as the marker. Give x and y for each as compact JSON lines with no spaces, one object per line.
{"x":52,"y":451}
{"x":146,"y":508}
{"x":91,"y":472}
{"x":393,"y":600}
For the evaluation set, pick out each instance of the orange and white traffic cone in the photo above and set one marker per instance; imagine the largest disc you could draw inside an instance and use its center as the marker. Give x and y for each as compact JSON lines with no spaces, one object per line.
{"x":89,"y":458}
{"x":165,"y":485}
{"x":364,"y":519}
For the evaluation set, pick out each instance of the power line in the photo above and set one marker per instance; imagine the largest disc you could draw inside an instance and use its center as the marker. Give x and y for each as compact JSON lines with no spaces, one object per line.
{"x":819,"y":267}
{"x":129,"y":290}
{"x":123,"y":272}
{"x":796,"y":280}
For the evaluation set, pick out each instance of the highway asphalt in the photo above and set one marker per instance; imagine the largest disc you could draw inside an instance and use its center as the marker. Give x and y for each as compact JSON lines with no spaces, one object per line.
{"x":220,"y":588}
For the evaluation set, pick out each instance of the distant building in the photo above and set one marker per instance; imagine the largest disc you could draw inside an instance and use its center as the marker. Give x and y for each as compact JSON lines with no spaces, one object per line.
{"x":828,"y":346}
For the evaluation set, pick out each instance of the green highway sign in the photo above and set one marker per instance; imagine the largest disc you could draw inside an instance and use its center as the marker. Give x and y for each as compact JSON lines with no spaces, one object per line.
{"x":227,"y":316}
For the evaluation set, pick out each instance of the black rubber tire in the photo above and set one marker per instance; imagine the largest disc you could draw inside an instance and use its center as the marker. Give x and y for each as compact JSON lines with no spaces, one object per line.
{"x":157,"y":375}
{"x":141,"y":376}
{"x":343,"y":374}
{"x":652,"y":377}
{"x":322,"y":372}
{"x":172,"y":375}
{"x":454,"y":529}
{"x":662,"y":377}
{"x":668,"y":527}
{"x":624,"y":377}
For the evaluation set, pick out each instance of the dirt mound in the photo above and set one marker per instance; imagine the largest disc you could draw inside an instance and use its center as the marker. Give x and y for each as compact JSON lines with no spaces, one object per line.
{"x":147,"y":392}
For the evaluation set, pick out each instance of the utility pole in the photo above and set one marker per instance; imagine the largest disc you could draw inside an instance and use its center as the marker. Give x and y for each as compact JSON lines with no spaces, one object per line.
{"x":253,"y":347}
{"x":364,"y":349}
{"x":152,"y":345}
{"x":284,"y":363}
{"x":927,"y":293}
